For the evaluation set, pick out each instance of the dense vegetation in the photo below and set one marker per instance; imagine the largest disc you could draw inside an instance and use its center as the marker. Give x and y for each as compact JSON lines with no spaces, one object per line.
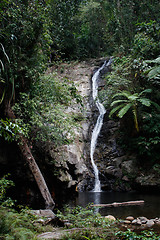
{"x":33,"y":33}
{"x":84,"y":223}
{"x":37,"y":34}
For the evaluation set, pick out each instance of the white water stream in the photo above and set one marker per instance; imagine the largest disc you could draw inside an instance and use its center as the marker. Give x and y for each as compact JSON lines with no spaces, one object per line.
{"x":99,"y":123}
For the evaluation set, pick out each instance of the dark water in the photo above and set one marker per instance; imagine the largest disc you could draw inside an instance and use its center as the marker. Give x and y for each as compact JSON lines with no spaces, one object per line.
{"x":150,"y":209}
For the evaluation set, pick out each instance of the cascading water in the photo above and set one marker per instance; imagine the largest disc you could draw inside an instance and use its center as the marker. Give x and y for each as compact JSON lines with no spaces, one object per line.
{"x":99,"y":123}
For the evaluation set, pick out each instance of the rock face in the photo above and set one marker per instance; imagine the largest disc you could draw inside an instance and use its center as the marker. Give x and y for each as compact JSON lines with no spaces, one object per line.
{"x":118,"y":170}
{"x":68,"y":167}
{"x":70,"y":160}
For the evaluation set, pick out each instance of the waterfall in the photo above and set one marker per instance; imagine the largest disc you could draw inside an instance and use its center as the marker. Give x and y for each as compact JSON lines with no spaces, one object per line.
{"x":99,"y":123}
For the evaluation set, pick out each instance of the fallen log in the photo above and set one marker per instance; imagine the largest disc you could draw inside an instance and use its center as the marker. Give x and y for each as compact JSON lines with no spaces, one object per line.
{"x":119,"y":204}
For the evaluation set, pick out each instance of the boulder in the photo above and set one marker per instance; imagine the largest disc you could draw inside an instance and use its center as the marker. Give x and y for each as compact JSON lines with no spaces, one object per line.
{"x":130,"y":218}
{"x":143,"y":220}
{"x":44,"y":213}
{"x":136,"y":222}
{"x":110,"y":218}
{"x":150,"y":223}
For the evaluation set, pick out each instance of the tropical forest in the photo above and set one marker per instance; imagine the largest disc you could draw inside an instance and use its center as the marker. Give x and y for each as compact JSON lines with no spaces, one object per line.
{"x":79,"y":119}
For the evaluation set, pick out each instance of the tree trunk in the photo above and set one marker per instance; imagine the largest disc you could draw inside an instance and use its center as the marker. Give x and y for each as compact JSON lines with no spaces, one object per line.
{"x":28,"y":157}
{"x":119,"y":204}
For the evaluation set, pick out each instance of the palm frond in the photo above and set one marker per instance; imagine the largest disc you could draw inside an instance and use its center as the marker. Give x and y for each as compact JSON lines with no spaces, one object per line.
{"x":118,"y":101}
{"x":154,"y":72}
{"x":156,"y":105}
{"x":157,"y":60}
{"x":148,"y":90}
{"x":115,"y":109}
{"x":124,"y":110}
{"x":145,"y":101}
{"x":123,"y":94}
{"x":133,"y":97}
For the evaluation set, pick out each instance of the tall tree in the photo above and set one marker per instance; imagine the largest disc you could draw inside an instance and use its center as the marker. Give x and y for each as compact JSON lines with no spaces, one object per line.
{"x":23,"y":34}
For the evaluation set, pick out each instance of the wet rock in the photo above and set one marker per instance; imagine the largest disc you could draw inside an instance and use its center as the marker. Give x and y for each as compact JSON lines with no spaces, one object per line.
{"x":129,"y":167}
{"x":143,"y":220}
{"x":130,"y":218}
{"x":43,"y":213}
{"x":150,"y":223}
{"x":149,"y":180}
{"x":127,"y":221}
{"x":136,"y":222}
{"x":110,"y":218}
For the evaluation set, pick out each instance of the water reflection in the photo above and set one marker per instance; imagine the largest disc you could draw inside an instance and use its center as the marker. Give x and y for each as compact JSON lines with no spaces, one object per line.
{"x":150,"y":209}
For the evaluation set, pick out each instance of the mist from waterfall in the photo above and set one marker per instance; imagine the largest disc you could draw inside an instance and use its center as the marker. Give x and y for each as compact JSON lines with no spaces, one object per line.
{"x":99,"y":123}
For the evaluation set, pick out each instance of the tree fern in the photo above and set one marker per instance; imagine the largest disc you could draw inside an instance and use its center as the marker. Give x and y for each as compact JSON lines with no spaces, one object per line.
{"x":129,"y":101}
{"x":124,"y":110}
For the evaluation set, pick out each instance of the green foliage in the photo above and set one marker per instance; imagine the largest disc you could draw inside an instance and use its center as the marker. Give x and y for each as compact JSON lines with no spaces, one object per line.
{"x":15,"y":225}
{"x":10,"y":130}
{"x":147,"y":144}
{"x":63,"y":27}
{"x":153,"y":71}
{"x":44,"y":110}
{"x":130,"y":101}
{"x":89,"y":223}
{"x":89,"y":36}
{"x":130,"y":235}
{"x":119,"y":79}
{"x":4,"y":185}
{"x":24,"y":37}
{"x":80,"y":216}
{"x":2,"y":69}
{"x":146,"y":41}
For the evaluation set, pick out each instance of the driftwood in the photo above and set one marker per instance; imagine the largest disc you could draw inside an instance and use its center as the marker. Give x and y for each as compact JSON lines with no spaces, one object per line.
{"x":119,"y":204}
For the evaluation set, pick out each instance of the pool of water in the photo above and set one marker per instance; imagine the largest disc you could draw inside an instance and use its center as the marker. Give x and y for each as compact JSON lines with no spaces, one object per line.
{"x":150,"y":208}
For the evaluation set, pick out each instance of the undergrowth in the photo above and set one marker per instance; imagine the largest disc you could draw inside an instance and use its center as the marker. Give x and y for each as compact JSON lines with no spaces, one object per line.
{"x":14,"y":225}
{"x":87,"y":223}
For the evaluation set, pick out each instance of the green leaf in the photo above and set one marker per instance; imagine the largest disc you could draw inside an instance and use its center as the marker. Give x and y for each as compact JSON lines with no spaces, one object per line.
{"x":154,"y":72}
{"x":145,"y":101}
{"x":133,"y":97}
{"x":157,"y":60}
{"x":155,"y":105}
{"x":115,"y":109}
{"x":145,"y":91}
{"x":118,"y":101}
{"x":124,"y":110}
{"x":123,"y":93}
